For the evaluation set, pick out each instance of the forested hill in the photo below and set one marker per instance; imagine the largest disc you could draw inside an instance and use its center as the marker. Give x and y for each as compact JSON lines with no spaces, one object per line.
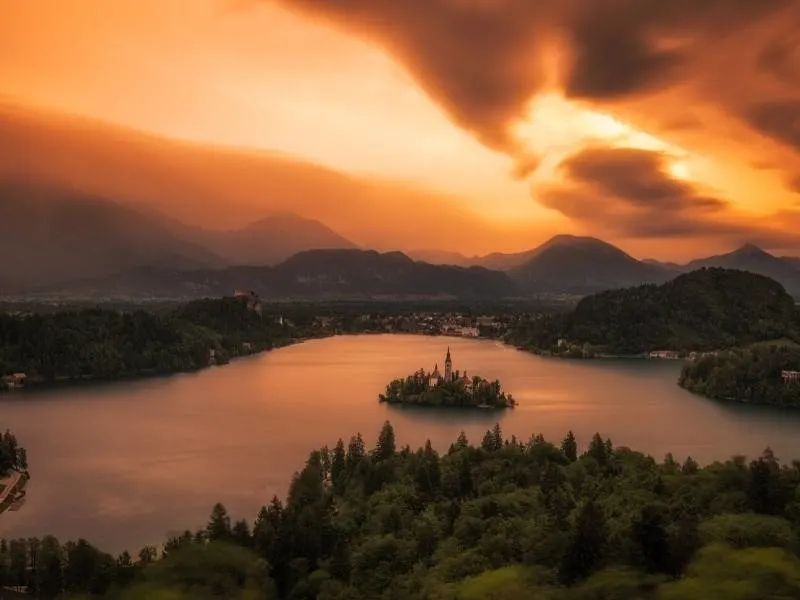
{"x":504,"y":519}
{"x":706,"y":309}
{"x":99,"y":343}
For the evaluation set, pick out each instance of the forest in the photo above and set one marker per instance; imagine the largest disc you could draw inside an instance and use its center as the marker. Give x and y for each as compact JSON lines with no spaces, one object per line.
{"x":751,"y":374}
{"x":97,"y":343}
{"x":415,"y":390}
{"x":503,"y":519}
{"x":707,"y":309}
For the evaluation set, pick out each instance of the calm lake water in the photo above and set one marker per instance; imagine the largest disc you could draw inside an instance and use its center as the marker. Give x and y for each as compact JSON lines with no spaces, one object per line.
{"x":125,"y":464}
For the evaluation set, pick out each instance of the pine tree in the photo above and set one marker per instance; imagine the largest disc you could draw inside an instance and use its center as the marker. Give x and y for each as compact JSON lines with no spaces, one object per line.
{"x":385,"y":448}
{"x":587,"y":544}
{"x":569,"y":446}
{"x":338,"y":468}
{"x":356,"y":450}
{"x":219,"y":526}
{"x":598,"y":450}
{"x":497,"y":437}
{"x":488,"y":441}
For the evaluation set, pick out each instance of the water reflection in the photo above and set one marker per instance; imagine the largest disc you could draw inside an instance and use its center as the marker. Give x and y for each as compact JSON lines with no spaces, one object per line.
{"x":123,"y":464}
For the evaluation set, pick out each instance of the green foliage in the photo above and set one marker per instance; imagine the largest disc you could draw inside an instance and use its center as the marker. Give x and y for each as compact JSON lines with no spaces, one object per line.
{"x":708,"y":309}
{"x":416,"y":390}
{"x":95,"y":343}
{"x":204,"y":572}
{"x":751,"y":374}
{"x":721,"y":573}
{"x":506,"y":519}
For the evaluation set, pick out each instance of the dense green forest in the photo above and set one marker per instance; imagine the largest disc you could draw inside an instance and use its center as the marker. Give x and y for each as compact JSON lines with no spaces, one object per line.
{"x":12,"y":455}
{"x":415,"y":390}
{"x":505,"y":519}
{"x":708,"y":309}
{"x":751,"y":374}
{"x":96,"y":343}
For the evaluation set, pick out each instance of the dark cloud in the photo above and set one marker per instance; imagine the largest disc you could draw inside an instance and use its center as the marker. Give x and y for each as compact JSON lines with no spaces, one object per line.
{"x":481,"y":59}
{"x":779,"y":120}
{"x":781,"y":56}
{"x":638,"y":177}
{"x":794,"y":184}
{"x":630,"y":192}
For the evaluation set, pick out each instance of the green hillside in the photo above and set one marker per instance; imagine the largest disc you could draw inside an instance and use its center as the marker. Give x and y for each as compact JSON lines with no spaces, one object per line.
{"x":707,"y":309}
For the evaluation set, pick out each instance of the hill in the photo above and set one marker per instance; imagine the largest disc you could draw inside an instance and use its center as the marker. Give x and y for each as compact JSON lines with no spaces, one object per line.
{"x":755,"y":260}
{"x":52,"y":234}
{"x":270,"y":240}
{"x":313,"y":274}
{"x":582,"y":265}
{"x":708,"y":309}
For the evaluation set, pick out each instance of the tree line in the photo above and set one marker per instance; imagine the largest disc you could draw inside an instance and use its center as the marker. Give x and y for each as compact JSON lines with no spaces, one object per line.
{"x":751,"y":374}
{"x":97,"y":343}
{"x":506,"y":518}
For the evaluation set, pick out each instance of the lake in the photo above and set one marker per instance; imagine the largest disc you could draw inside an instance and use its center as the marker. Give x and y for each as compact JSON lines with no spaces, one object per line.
{"x":124,"y":464}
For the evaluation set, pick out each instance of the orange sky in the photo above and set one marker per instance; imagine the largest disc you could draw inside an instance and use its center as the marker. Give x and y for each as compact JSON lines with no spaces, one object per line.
{"x":334,"y":88}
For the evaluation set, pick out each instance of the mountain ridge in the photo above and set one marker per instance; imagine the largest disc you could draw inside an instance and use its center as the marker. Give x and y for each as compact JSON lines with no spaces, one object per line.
{"x":312,"y":274}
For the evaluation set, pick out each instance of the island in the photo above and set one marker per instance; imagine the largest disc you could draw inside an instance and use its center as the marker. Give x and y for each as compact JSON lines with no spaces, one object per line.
{"x":450,"y":389}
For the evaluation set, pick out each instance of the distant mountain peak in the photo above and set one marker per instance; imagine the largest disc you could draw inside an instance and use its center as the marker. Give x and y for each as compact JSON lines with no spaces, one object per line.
{"x":750,"y":248}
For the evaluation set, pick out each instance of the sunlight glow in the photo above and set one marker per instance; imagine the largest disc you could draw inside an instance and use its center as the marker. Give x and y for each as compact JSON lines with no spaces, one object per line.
{"x":556,"y":128}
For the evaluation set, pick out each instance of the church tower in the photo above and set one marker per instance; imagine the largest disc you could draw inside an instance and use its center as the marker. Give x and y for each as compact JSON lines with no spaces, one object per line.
{"x":448,"y":366}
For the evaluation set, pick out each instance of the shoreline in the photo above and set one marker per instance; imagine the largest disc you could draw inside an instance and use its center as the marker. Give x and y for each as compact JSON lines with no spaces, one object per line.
{"x":69,"y":383}
{"x":66,"y":383}
{"x":12,"y":496}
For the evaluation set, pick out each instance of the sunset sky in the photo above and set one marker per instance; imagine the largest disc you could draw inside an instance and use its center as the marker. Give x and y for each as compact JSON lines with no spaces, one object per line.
{"x":669,"y":128}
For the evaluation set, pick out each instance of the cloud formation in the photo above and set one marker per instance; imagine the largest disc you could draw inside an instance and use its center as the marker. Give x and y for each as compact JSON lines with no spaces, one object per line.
{"x":483,"y":60}
{"x":631,"y":193}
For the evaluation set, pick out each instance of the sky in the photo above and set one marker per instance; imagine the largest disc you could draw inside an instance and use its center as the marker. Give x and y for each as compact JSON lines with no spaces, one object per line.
{"x":669,"y":128}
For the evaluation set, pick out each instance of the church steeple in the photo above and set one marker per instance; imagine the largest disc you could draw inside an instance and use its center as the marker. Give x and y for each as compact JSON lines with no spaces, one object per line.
{"x":448,"y":366}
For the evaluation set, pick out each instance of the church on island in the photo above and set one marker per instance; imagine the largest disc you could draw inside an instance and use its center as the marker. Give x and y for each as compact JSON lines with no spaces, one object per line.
{"x":446,"y":389}
{"x":436,"y":378}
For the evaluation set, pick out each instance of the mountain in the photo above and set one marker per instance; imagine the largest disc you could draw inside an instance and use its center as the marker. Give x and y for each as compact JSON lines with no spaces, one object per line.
{"x":271,"y":240}
{"x":708,"y":309}
{"x":505,"y":261}
{"x":50,"y":234}
{"x":443,"y":257}
{"x":227,"y":188}
{"x":755,"y":260}
{"x":792,"y":261}
{"x":496,"y":261}
{"x":313,"y":274}
{"x":582,"y":265}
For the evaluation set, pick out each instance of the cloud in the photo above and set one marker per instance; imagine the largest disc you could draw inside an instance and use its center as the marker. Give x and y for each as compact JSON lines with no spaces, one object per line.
{"x":779,"y":120}
{"x":483,"y":60}
{"x":629,"y":192}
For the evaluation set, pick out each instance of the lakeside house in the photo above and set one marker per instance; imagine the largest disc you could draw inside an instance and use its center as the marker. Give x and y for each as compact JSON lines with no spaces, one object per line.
{"x":665,"y":354}
{"x":788,"y":376}
{"x":14,"y":381}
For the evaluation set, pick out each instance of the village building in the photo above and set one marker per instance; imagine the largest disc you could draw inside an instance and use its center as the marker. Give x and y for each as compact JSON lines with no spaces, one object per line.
{"x":790,"y":376}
